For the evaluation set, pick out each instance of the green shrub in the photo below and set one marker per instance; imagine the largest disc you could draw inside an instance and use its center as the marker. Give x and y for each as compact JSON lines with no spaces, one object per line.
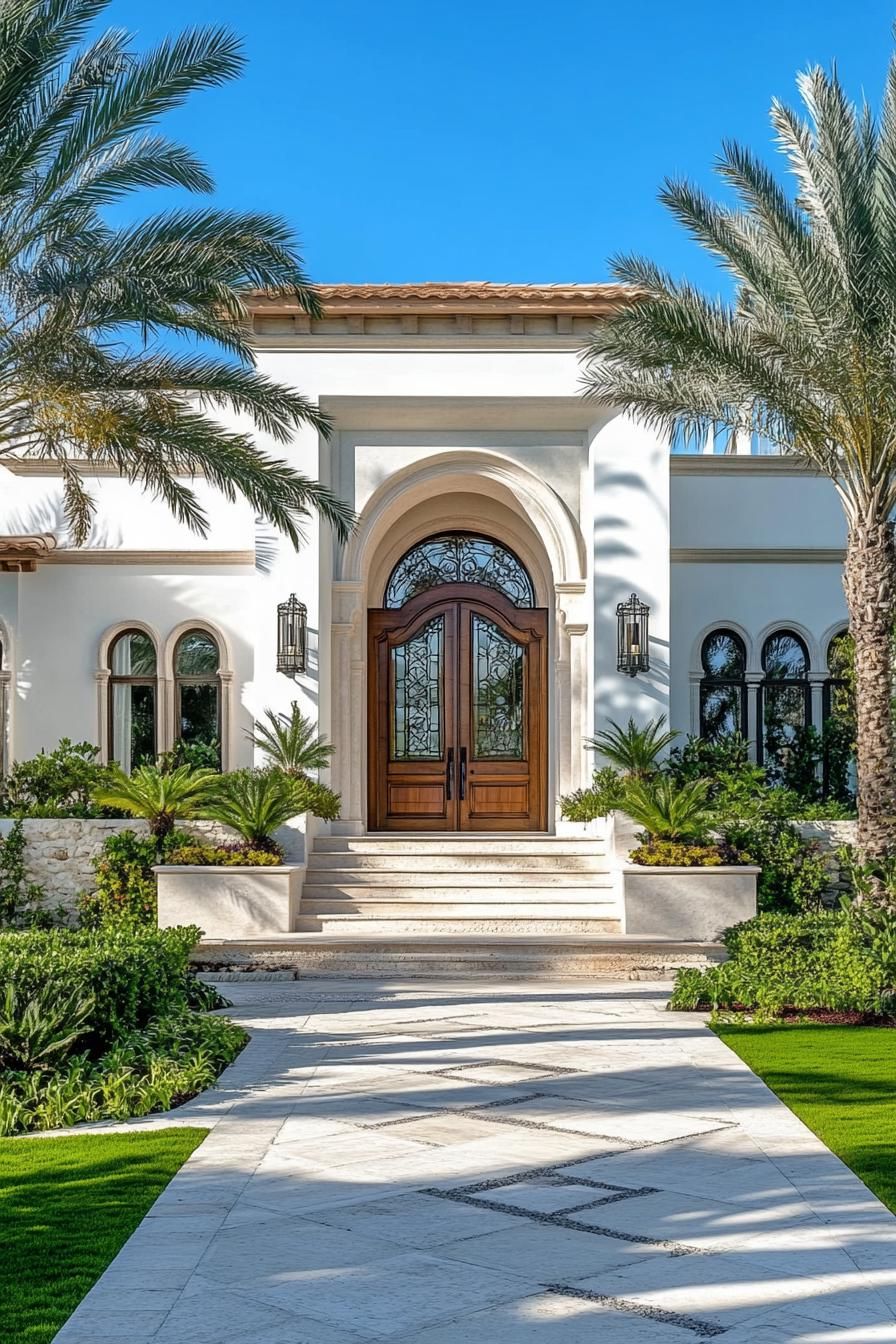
{"x":58,"y":783}
{"x":606,"y":793}
{"x":794,"y":876}
{"x":197,"y":755}
{"x":21,"y":901}
{"x":170,"y":1060}
{"x":291,"y":742}
{"x":224,"y":856}
{"x":724,"y":758}
{"x":674,"y":854}
{"x":790,"y":961}
{"x":125,"y":883}
{"x":132,"y":974}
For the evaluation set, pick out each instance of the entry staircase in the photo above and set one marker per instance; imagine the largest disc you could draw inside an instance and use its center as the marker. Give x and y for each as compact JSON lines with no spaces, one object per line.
{"x":395,"y":886}
{"x":474,"y":905}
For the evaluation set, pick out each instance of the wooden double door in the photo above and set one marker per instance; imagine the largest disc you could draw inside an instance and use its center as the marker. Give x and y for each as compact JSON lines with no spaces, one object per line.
{"x":457,"y":714}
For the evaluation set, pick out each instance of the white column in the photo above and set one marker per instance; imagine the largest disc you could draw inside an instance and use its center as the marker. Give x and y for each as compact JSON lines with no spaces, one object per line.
{"x":629,"y":484}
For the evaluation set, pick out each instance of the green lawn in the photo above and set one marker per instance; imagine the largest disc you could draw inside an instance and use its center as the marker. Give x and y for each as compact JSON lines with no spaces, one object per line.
{"x":66,"y":1208}
{"x":841,"y":1081}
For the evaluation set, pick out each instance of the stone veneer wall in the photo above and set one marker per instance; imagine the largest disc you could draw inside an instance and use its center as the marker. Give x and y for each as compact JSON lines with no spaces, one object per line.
{"x":830,"y":836}
{"x":59,"y":852}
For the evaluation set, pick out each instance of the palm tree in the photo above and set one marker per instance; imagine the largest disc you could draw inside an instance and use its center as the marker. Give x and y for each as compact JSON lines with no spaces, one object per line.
{"x":160,"y":797}
{"x":291,"y":742}
{"x":634,"y":750}
{"x":122,"y":346}
{"x":803,"y":356}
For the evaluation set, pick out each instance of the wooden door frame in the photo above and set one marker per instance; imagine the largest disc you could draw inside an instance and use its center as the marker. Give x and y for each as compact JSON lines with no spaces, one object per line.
{"x":533,"y":622}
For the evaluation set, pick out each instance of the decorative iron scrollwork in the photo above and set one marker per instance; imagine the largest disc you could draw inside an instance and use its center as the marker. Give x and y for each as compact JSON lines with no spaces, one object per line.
{"x":459,"y":557}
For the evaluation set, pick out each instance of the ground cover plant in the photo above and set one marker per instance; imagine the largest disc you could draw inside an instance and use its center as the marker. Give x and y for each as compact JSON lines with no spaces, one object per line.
{"x":838,"y":1080}
{"x":103,"y":1023}
{"x":66,"y":1208}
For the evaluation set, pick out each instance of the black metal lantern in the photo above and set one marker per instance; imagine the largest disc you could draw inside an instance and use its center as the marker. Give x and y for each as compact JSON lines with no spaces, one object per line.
{"x":632,"y":636}
{"x":292,"y":636}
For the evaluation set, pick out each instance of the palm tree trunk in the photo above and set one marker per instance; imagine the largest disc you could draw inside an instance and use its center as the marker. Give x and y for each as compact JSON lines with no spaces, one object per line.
{"x":870,"y":582}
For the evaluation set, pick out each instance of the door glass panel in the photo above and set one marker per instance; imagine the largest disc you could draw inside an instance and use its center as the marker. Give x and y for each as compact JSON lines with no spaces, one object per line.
{"x":418,"y":676}
{"x":497,"y":693}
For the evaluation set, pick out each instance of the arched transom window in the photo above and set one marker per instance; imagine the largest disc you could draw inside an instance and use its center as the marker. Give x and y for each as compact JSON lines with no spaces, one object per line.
{"x":197,"y":688}
{"x":459,"y":557}
{"x":785,"y":697}
{"x":723,"y":687}
{"x":132,"y":699}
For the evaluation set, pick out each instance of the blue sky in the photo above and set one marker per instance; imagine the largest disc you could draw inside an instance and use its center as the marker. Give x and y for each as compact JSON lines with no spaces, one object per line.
{"x":496,"y":141}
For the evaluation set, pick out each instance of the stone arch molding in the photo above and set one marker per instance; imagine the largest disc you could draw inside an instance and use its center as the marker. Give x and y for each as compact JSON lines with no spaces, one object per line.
{"x":478,"y":473}
{"x":550,"y":544}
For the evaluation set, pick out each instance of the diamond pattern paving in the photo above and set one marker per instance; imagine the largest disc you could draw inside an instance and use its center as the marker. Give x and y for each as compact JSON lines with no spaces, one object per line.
{"x":444,"y":1164}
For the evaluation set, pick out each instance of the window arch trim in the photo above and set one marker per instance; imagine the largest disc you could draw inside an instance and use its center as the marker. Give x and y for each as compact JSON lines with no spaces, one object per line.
{"x":225,"y":683}
{"x":769,"y":686}
{"x":104,"y":681}
{"x":709,"y":681}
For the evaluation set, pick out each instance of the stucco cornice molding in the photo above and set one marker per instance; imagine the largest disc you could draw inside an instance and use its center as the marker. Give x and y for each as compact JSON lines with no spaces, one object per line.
{"x":100,"y":555}
{"x":708,"y":464}
{"x":756,"y":555}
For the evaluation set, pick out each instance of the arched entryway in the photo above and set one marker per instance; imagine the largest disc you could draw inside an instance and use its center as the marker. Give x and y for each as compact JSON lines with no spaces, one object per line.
{"x":495,"y":497}
{"x":457,"y":660}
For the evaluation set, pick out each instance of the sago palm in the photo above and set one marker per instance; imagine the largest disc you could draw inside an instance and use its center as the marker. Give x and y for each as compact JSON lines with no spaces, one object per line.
{"x":127,"y":346}
{"x":256,"y":803}
{"x":160,"y":797}
{"x":291,"y":742}
{"x":804,"y":355}
{"x":669,"y":811}
{"x":632,"y":749}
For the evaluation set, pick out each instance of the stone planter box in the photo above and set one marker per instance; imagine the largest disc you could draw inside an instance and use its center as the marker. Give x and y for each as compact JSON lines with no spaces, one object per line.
{"x":230,"y":902}
{"x":688,"y":904}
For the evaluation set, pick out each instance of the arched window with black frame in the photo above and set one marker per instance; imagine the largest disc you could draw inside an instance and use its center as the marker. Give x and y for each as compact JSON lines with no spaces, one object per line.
{"x":839,"y":728}
{"x":197,"y":689}
{"x":133,"y":671}
{"x":723,"y":686}
{"x":785,"y":699}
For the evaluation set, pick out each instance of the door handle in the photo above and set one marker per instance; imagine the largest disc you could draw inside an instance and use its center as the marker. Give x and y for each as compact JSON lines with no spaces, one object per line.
{"x":463,"y":774}
{"x":449,"y":773}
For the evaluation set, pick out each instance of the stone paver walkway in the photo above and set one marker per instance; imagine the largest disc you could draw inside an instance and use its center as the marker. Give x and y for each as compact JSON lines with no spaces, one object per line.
{"x":514,"y":1164}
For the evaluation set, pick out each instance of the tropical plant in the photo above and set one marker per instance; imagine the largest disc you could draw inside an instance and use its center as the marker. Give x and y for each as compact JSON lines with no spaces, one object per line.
{"x":39,"y":1030}
{"x":668,"y":811}
{"x":291,"y":742}
{"x":257,"y":802}
{"x":56,"y":783}
{"x":120,"y":346}
{"x":159,"y":796}
{"x":605,"y":793}
{"x":633,"y":750}
{"x":21,"y":900}
{"x":125,"y":884}
{"x":802,"y":356}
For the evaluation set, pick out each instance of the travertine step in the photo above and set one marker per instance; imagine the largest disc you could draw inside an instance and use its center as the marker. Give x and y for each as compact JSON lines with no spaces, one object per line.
{"x":470,"y":843}
{"x":481,"y":859}
{"x":350,"y":882}
{"x":490,"y":957}
{"x":414,"y":904}
{"x":366,"y":925}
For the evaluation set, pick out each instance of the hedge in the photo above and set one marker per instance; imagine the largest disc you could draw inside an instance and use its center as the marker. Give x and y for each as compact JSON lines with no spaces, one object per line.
{"x":789,"y":961}
{"x":133,"y":974}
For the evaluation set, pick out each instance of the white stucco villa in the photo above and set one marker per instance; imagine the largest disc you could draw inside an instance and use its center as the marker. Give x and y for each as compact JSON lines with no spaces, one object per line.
{"x":464,"y":643}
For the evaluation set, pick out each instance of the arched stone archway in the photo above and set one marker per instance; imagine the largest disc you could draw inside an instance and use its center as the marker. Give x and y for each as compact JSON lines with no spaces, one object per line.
{"x":478,"y":491}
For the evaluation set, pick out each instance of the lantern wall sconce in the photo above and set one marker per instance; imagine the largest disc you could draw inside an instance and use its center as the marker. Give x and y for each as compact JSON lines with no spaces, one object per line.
{"x":292,"y":636}
{"x":633,"y":636}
